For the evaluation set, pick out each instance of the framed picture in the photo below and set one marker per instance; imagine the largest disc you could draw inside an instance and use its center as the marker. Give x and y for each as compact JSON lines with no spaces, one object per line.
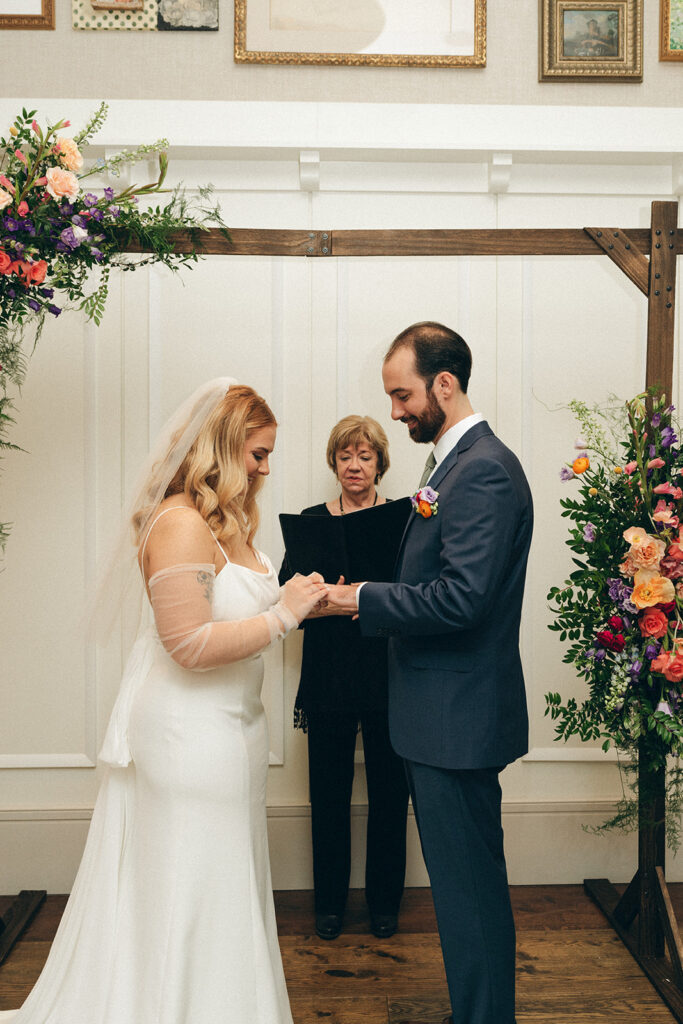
{"x":117,"y":5}
{"x":591,"y":40}
{"x":27,"y":14}
{"x":671,"y":29}
{"x":380,"y":33}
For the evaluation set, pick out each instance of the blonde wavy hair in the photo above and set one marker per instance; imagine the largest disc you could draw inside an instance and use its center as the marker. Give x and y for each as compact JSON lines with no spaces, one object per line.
{"x":213,"y":475}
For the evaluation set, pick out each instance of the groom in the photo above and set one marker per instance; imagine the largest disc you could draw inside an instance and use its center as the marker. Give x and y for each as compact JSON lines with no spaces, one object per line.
{"x":457,"y":708}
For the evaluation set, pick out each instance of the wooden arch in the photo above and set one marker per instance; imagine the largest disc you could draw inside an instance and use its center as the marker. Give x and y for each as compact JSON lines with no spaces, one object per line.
{"x":648,"y":258}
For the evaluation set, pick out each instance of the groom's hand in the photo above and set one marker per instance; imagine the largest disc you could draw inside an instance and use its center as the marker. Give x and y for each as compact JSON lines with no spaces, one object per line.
{"x":342,"y":599}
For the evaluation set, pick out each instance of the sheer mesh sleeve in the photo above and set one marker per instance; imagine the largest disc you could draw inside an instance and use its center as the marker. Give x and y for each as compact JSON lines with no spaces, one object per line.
{"x":181,"y":601}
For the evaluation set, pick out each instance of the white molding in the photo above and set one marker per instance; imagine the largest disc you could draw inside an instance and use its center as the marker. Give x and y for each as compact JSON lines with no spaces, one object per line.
{"x":46,"y":761}
{"x":309,"y":170}
{"x":500,"y":170}
{"x":552,"y":755}
{"x":420,"y":128}
{"x":581,"y":807}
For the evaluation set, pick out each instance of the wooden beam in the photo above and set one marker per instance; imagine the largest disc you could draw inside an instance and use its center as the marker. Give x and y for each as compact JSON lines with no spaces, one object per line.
{"x":618,"y":245}
{"x":660,"y":320}
{"x":446,"y":242}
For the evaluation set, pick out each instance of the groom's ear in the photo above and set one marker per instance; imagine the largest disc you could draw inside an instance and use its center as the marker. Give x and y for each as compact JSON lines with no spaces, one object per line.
{"x":445,"y":385}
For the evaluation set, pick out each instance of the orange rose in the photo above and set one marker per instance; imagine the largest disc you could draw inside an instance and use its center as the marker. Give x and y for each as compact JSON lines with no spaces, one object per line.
{"x":5,"y":262}
{"x":38,"y":272}
{"x":69,"y":153}
{"x":61,"y":184}
{"x":653,"y":622}
{"x":580,"y":465}
{"x":424,"y":508}
{"x":650,"y":589}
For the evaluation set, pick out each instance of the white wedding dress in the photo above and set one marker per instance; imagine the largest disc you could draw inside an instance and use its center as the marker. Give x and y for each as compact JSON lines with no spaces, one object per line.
{"x":171,"y":918}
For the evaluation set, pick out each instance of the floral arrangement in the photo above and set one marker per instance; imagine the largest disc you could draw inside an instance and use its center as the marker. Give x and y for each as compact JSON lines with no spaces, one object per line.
{"x":621,"y":609}
{"x":59,"y":239}
{"x":425,"y":502}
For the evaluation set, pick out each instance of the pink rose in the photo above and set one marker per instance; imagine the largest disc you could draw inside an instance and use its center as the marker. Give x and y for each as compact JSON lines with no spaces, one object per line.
{"x":5,"y":199}
{"x":5,"y":262}
{"x":61,"y":184}
{"x":671,"y":568}
{"x":653,"y":622}
{"x":38,"y":271}
{"x":69,"y":154}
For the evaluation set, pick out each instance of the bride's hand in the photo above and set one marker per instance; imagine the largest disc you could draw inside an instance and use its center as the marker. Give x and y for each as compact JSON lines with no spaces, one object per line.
{"x":302,"y":594}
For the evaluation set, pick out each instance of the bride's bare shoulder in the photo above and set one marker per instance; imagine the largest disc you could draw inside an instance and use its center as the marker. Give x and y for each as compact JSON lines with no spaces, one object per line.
{"x":182,"y":536}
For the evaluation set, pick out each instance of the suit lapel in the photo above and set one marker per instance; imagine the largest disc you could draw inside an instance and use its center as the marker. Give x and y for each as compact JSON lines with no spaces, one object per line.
{"x":481,"y":429}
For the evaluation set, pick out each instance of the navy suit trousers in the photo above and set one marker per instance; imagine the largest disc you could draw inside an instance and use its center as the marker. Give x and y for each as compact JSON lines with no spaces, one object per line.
{"x":458,"y":815}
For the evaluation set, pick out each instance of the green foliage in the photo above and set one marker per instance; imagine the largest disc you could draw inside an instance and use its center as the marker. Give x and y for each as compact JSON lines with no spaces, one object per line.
{"x":619,"y":611}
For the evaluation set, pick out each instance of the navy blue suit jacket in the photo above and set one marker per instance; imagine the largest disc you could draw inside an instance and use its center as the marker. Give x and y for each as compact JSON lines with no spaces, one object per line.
{"x":456,"y":688}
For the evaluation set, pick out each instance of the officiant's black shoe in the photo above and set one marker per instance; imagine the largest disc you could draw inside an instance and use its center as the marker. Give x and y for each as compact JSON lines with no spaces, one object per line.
{"x":383,"y":925}
{"x":328,"y":926}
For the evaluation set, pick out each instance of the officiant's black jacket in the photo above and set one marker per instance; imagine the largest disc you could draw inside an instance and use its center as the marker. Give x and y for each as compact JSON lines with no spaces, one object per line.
{"x":456,"y":688}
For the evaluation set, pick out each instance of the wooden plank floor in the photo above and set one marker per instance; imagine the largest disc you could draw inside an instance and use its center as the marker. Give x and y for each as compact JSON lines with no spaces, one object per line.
{"x":570,"y":966}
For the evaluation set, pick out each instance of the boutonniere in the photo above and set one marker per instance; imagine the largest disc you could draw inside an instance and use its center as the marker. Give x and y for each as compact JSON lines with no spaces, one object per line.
{"x":425,"y":502}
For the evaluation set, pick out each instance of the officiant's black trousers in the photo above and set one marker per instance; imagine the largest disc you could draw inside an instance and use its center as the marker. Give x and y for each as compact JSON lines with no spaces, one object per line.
{"x":331,"y":750}
{"x":459,"y":819}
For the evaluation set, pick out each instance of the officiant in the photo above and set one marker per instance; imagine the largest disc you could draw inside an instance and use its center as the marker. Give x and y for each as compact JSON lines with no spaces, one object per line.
{"x":343,"y":688}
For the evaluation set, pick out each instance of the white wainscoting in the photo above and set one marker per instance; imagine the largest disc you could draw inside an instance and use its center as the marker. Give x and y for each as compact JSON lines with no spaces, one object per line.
{"x":310,"y":335}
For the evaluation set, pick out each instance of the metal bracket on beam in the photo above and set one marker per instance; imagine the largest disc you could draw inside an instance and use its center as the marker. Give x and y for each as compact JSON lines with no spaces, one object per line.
{"x":622,"y":250}
{"x":319,"y":243}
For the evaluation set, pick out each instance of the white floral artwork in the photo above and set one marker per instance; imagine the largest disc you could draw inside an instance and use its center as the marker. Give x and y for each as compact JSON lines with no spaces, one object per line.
{"x":184,"y":14}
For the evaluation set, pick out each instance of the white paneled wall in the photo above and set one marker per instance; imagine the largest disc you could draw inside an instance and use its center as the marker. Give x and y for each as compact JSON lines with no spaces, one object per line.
{"x":310,"y":335}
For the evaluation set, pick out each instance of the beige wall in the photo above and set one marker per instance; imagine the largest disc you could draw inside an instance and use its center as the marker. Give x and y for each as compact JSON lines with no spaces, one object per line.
{"x":195,"y":66}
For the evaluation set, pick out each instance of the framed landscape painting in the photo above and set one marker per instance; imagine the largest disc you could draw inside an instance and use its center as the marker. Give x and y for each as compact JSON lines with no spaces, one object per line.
{"x":27,"y":14}
{"x":389,"y":33}
{"x":671,"y":29}
{"x":591,"y":40}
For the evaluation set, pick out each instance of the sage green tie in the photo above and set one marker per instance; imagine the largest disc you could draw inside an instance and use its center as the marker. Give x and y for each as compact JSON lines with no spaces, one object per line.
{"x":429,"y":467}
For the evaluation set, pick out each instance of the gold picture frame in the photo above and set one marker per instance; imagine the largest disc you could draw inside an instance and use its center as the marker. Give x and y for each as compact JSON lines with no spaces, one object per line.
{"x":44,"y":20}
{"x":591,"y":40}
{"x":671,"y":30}
{"x":349,"y":32}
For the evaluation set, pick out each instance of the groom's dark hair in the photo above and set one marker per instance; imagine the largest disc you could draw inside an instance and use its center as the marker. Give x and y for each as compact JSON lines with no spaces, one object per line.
{"x":436,"y":348}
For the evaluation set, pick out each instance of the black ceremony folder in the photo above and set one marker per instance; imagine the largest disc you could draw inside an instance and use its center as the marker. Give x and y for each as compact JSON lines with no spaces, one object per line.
{"x":358,"y":546}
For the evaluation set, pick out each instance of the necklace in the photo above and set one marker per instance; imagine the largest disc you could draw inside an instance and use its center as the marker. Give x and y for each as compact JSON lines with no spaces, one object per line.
{"x":341,"y":503}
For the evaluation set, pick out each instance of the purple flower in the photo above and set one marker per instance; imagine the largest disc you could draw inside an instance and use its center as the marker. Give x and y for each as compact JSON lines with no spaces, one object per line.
{"x":589,"y":533}
{"x":600,"y":654}
{"x":634,"y":670}
{"x":566,"y":473}
{"x":11,"y":292}
{"x":652,"y":650}
{"x":620,"y":593}
{"x":47,"y":293}
{"x":19,"y":248}
{"x":668,"y":437}
{"x":55,"y":310}
{"x":97,"y":254}
{"x":656,"y":419}
{"x":114,"y":211}
{"x":73,"y":236}
{"x":34,"y":305}
{"x":78,"y":220}
{"x":653,"y":451}
{"x":11,"y":224}
{"x":97,"y":215}
{"x":430,"y":495}
{"x":109,"y":194}
{"x":89,"y":199}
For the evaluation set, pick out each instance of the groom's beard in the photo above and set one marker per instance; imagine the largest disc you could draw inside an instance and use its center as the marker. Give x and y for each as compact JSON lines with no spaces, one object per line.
{"x":427,"y":425}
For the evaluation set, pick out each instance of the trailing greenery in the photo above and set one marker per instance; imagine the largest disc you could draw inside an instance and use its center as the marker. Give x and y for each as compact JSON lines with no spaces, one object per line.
{"x":59,"y":241}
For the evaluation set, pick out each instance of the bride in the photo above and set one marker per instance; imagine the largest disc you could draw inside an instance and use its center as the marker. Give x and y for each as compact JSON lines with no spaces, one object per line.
{"x":171,"y":917}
